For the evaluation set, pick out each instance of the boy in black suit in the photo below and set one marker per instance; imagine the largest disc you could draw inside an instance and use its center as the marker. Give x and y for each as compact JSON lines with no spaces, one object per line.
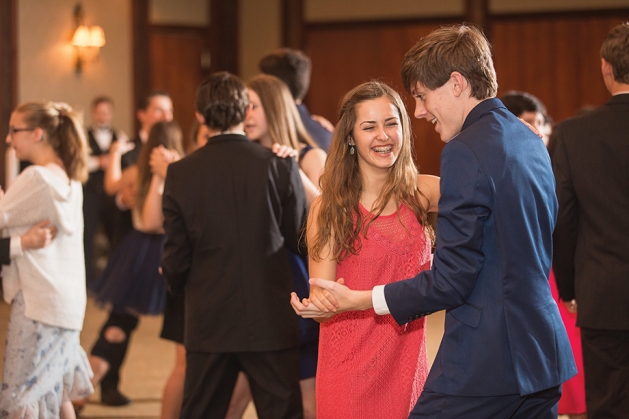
{"x":229,"y":210}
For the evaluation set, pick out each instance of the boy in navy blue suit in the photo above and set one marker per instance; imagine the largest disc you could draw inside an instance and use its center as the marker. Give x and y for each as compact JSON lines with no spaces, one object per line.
{"x":505,"y":352}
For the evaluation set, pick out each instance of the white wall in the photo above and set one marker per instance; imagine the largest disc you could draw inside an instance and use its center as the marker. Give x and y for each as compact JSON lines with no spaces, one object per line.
{"x":46,"y":59}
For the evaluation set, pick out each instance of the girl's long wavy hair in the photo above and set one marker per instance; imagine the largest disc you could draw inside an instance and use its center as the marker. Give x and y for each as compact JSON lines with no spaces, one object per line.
{"x":282,"y":117}
{"x":63,"y":127}
{"x":163,"y":133}
{"x":340,"y":222}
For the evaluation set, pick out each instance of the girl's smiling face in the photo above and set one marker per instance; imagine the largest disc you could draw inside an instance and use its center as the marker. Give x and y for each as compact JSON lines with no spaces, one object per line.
{"x":377,"y":134}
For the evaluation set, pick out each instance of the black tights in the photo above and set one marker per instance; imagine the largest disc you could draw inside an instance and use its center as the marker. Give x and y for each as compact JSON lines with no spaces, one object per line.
{"x":114,"y":353}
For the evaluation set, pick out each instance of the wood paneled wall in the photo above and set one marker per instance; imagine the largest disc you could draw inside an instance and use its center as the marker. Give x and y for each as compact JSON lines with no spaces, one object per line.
{"x":344,"y":56}
{"x":175,"y":63}
{"x":553,"y":56}
{"x":556,"y":58}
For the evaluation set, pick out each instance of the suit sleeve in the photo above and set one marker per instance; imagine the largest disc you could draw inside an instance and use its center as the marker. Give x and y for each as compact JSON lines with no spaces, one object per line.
{"x":294,"y":210}
{"x":177,"y":255}
{"x":565,"y":234}
{"x":463,"y":208}
{"x":5,"y":251}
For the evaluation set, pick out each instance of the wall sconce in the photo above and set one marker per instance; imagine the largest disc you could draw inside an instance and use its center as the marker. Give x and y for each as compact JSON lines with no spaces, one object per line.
{"x":86,"y":40}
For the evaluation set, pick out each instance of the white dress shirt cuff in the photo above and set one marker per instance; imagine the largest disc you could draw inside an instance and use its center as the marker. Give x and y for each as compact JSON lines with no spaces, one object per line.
{"x":379,"y":302}
{"x":15,"y":247}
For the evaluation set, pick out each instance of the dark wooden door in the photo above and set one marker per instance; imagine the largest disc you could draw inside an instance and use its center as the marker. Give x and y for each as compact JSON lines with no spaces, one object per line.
{"x":176,"y":55}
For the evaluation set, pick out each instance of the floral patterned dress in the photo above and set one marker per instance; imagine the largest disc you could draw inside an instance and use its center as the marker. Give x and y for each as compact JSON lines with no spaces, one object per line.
{"x":43,"y":367}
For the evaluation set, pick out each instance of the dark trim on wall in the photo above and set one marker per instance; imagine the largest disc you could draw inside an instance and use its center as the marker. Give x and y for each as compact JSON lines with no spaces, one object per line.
{"x":562,"y":14}
{"x":293,"y":24}
{"x":354,"y":24}
{"x":8,"y":72}
{"x":178,"y":29}
{"x":224,"y":37}
{"x":453,"y":19}
{"x":141,"y":58}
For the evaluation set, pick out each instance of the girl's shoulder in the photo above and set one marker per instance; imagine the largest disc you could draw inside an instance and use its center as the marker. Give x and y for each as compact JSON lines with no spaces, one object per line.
{"x":429,"y":187}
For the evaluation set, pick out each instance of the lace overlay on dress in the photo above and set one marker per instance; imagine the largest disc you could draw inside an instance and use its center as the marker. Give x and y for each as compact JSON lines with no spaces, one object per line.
{"x":369,"y":366}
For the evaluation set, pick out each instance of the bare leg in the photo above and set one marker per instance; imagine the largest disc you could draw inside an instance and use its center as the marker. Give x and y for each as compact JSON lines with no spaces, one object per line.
{"x":579,"y":416}
{"x":308,"y":397}
{"x":240,"y":398}
{"x":99,"y":368}
{"x":173,"y":391}
{"x":67,"y":411}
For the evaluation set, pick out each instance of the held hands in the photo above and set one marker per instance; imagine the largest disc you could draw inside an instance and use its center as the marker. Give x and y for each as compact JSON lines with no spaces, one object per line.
{"x":320,"y":305}
{"x":40,"y":235}
{"x":330,"y":298}
{"x":160,"y":158}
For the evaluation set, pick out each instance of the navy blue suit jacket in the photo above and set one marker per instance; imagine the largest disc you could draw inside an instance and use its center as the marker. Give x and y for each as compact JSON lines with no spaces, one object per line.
{"x":503,"y":333}
{"x":320,"y":135}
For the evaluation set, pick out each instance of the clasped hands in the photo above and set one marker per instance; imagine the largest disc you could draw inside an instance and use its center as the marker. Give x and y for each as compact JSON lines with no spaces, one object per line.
{"x":328,"y":298}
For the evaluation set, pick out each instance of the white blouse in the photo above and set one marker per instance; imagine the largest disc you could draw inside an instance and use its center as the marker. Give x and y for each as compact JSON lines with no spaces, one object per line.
{"x":52,"y":279}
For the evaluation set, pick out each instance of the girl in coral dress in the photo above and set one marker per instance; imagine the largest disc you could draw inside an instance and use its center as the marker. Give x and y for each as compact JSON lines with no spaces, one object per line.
{"x":369,"y":227}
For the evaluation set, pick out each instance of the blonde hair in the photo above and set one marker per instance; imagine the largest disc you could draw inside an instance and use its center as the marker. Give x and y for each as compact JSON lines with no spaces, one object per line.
{"x":283,"y":120}
{"x":339,"y":218}
{"x":63,"y":129}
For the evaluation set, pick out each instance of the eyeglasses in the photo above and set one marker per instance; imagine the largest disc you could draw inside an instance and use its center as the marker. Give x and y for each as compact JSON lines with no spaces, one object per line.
{"x":14,"y":130}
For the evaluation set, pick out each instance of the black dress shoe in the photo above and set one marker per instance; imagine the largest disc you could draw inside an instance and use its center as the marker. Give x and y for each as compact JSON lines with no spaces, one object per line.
{"x":112,"y":397}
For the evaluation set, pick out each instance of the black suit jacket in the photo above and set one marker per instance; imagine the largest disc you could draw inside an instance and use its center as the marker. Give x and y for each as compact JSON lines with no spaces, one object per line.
{"x":591,"y":239}
{"x":5,"y":251}
{"x":96,"y":179}
{"x":230,"y":209}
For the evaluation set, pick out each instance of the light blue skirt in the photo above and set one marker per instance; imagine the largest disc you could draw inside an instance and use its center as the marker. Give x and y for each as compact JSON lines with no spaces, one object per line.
{"x":43,"y":367}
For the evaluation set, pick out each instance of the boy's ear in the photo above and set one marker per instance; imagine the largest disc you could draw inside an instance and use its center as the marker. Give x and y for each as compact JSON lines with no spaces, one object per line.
{"x":200,"y":118}
{"x":458,"y":83}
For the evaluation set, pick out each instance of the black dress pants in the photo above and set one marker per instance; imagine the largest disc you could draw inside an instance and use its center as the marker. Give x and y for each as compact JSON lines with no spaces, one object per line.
{"x":606,"y":369}
{"x":273,"y":377}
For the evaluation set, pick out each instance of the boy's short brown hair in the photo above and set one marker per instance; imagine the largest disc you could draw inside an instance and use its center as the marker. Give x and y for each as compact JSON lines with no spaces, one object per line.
{"x":459,"y":48}
{"x":222,"y":100}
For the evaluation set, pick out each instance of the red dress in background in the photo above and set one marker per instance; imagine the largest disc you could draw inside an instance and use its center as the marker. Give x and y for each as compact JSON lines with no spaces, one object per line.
{"x":369,"y":366}
{"x":573,"y":391}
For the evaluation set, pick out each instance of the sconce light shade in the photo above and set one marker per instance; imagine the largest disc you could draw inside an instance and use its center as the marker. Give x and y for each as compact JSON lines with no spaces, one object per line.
{"x":97,"y":36}
{"x":88,"y":37}
{"x":81,"y":37}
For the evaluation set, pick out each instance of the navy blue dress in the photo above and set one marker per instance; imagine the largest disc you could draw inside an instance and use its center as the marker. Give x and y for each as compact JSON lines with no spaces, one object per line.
{"x":131,"y":282}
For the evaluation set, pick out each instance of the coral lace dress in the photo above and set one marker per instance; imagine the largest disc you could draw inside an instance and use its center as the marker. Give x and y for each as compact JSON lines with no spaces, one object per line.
{"x":369,"y":366}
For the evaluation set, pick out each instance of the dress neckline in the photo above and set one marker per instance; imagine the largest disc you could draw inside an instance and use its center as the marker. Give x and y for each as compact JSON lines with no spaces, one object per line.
{"x":362,"y":207}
